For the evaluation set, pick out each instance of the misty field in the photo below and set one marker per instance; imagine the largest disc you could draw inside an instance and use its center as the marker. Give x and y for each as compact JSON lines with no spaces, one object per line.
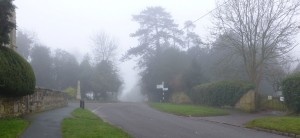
{"x":86,"y":124}
{"x":188,"y":110}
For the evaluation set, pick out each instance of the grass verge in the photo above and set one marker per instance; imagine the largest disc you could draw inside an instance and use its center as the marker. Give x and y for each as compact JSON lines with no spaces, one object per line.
{"x":12,"y":127}
{"x":88,"y":125}
{"x":282,"y":124}
{"x":188,"y":110}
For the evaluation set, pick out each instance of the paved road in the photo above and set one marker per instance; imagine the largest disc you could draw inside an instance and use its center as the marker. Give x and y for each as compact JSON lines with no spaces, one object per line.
{"x":47,"y":124}
{"x":141,"y":121}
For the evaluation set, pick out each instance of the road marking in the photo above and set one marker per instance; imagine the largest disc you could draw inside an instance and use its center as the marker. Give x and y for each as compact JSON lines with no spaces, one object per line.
{"x":96,"y":109}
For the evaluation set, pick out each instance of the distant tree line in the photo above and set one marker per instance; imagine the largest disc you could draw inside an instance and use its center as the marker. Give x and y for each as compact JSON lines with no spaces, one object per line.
{"x":61,"y":70}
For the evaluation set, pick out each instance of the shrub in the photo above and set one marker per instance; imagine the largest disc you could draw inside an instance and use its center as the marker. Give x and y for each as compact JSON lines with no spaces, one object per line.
{"x":71,"y":92}
{"x":16,"y":75}
{"x":180,"y":98}
{"x":222,"y":93}
{"x":291,"y":91}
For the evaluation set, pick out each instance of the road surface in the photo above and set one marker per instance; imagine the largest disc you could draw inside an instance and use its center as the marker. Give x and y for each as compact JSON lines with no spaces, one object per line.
{"x":141,"y":121}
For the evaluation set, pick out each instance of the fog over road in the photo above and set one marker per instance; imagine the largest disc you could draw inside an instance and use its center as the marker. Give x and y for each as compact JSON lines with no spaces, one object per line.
{"x":141,"y":121}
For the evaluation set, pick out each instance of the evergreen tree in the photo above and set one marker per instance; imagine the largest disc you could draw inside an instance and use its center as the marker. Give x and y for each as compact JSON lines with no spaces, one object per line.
{"x":6,"y":25}
{"x":157,"y":31}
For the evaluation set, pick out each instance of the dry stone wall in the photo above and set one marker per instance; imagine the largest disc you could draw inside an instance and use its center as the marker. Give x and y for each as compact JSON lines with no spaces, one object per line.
{"x":247,"y":102}
{"x":41,"y":100}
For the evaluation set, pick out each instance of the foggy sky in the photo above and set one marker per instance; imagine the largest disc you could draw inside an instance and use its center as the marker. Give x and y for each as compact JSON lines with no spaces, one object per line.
{"x":69,"y":24}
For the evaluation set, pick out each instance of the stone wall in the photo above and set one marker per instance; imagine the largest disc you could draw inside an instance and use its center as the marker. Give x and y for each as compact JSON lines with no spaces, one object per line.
{"x":41,"y":100}
{"x":247,"y":102}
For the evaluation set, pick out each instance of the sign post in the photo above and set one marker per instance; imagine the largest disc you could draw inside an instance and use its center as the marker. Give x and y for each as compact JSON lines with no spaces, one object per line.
{"x":161,"y":86}
{"x":78,"y":96}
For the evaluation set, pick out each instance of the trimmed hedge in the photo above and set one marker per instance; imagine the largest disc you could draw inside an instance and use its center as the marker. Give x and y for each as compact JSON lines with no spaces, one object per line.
{"x":291,"y":91}
{"x":222,"y":93}
{"x":16,"y":75}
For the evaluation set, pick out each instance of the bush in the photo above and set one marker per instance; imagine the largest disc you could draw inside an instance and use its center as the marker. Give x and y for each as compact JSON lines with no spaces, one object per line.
{"x":71,"y":92}
{"x":16,"y":75}
{"x":222,"y":93}
{"x":180,"y":98}
{"x":291,"y":91}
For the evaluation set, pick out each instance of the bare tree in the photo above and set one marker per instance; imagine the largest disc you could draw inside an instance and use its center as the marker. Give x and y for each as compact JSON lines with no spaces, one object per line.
{"x":276,"y":74}
{"x":260,"y":31}
{"x":104,"y":47}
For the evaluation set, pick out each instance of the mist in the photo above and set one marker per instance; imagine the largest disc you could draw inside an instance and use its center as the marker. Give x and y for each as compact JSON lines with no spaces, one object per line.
{"x":153,"y":69}
{"x":70,"y":25}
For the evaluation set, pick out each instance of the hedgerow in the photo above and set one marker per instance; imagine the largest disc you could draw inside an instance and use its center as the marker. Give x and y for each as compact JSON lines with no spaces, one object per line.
{"x":291,"y":91}
{"x":222,"y":93}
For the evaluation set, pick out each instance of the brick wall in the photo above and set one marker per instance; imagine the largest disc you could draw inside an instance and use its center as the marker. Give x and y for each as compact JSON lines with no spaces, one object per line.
{"x":41,"y":100}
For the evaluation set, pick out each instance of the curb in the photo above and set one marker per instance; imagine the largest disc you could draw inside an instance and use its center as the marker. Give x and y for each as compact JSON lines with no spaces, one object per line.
{"x":256,"y":128}
{"x":277,"y":132}
{"x":221,"y":123}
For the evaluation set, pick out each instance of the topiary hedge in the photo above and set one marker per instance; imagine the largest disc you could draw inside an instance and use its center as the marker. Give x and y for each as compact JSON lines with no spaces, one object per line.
{"x":16,"y":75}
{"x":291,"y":91}
{"x":222,"y":93}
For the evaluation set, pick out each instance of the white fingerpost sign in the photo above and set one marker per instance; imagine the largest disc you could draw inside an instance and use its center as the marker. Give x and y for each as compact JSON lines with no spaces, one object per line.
{"x":269,"y":97}
{"x":161,"y":86}
{"x":281,"y":99}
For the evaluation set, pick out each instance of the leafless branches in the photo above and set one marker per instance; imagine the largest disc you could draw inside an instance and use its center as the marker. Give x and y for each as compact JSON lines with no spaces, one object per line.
{"x":259,"y":31}
{"x":104,"y":47}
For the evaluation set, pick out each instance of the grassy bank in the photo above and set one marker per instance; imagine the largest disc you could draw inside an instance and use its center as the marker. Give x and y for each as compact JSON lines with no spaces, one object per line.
{"x":283,"y":124}
{"x":86,"y":124}
{"x":12,"y":127}
{"x":188,"y":110}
